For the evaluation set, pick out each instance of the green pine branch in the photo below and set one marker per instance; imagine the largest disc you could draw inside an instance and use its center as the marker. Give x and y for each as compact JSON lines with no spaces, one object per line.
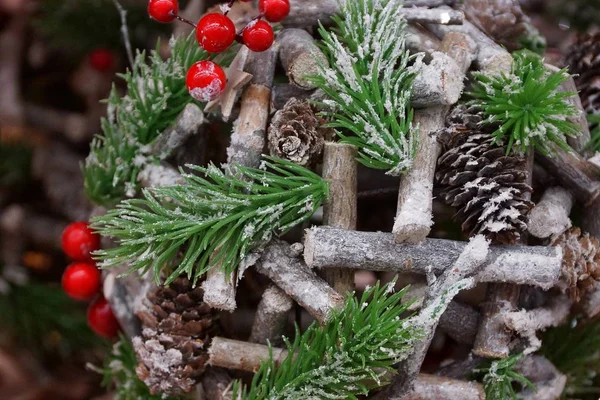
{"x":500,"y":376}
{"x":594,"y":123}
{"x":572,"y":348}
{"x":526,"y":105}
{"x":369,"y":83}
{"x":215,"y":220}
{"x":156,"y":95}
{"x":346,"y":358}
{"x":119,"y":372}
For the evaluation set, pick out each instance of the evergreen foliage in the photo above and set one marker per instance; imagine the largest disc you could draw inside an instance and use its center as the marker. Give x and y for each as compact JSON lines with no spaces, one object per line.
{"x":369,"y":83}
{"x":526,"y":105}
{"x":156,"y":94}
{"x":346,"y":358}
{"x":594,"y":122}
{"x":499,"y":377}
{"x":42,"y":318}
{"x":214,"y":221}
{"x":119,"y":370}
{"x":573,"y":349}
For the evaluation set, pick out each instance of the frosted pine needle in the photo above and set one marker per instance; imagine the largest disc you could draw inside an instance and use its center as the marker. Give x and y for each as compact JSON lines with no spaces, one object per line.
{"x":344,"y":359}
{"x":526,"y":105}
{"x":369,"y":83}
{"x":214,"y":220}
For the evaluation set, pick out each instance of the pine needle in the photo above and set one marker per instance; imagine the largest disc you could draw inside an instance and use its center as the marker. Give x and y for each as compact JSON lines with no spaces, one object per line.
{"x":369,"y":83}
{"x":213,"y":221}
{"x":156,"y":95}
{"x":499,"y":377}
{"x":526,"y":105}
{"x":346,"y":358}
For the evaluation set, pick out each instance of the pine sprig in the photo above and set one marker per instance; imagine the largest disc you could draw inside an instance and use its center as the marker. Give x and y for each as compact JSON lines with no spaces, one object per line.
{"x":214,"y":221}
{"x":369,"y":83}
{"x":573,"y":349}
{"x":346,"y":358}
{"x":119,"y":371}
{"x":499,"y":377}
{"x":156,"y":94}
{"x":594,"y":123}
{"x":526,"y":105}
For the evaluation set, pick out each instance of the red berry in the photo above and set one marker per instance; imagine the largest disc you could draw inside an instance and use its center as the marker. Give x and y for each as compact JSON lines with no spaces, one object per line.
{"x":215,"y":32}
{"x":101,"y":318}
{"x":274,"y":10}
{"x":102,"y":60}
{"x":205,"y":80}
{"x":78,"y":241}
{"x":81,"y":281}
{"x":258,"y":36}
{"x":163,"y":10}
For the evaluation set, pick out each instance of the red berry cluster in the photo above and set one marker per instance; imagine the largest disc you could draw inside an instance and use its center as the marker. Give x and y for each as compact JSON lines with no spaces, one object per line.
{"x":81,"y":280}
{"x":215,"y":32}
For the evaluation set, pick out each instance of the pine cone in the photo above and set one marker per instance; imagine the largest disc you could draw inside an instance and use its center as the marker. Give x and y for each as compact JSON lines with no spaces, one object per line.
{"x":581,"y":261}
{"x":584,"y":60}
{"x":177,"y":328}
{"x":295,"y":133}
{"x":487,"y":186}
{"x":504,"y":21}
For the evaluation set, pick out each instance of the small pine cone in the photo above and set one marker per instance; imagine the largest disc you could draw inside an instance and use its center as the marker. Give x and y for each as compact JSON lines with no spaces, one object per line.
{"x":295,"y":133}
{"x":503,"y":20}
{"x":177,"y":328}
{"x":487,"y":186}
{"x":583,"y":59}
{"x":581,"y":261}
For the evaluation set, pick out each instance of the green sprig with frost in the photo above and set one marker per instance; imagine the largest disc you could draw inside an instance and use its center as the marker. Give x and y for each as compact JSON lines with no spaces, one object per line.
{"x":526,"y":105}
{"x":369,"y":83}
{"x":213,"y":221}
{"x":500,"y":376}
{"x":156,"y":95}
{"x":347,"y":357}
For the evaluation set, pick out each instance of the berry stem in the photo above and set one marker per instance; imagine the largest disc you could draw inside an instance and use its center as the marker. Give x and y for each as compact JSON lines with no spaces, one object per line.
{"x":187,"y":21}
{"x":241,"y":32}
{"x":229,"y":5}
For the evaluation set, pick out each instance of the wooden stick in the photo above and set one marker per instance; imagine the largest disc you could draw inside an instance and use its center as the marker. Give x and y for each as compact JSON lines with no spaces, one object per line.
{"x":548,"y":380}
{"x":377,"y":251}
{"x":247,"y":143}
{"x":281,"y":264}
{"x":283,"y":92}
{"x":490,"y":58}
{"x":159,"y":175}
{"x":310,"y":12}
{"x":340,"y":211}
{"x":591,"y":215}
{"x":419,"y":39}
{"x":243,"y":356}
{"x":574,"y":173}
{"x":300,"y":56}
{"x":527,"y":322}
{"x":271,"y":317}
{"x":188,"y":123}
{"x":441,"y":293}
{"x":550,"y":216}
{"x":414,"y":216}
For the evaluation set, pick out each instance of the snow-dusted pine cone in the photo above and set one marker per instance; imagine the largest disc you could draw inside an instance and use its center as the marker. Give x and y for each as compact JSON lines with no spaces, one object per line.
{"x":295,"y":133}
{"x":177,"y":328}
{"x":583,"y":59}
{"x":488,"y":187}
{"x":504,"y":21}
{"x":581,"y":261}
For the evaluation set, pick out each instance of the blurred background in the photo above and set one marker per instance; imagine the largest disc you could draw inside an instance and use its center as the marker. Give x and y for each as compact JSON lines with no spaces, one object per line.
{"x":58,"y":60}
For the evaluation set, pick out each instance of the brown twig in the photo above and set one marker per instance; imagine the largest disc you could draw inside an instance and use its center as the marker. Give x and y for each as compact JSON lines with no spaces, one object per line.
{"x":271,"y":317}
{"x":377,"y":251}
{"x":300,"y":56}
{"x":550,"y":216}
{"x":340,"y":211}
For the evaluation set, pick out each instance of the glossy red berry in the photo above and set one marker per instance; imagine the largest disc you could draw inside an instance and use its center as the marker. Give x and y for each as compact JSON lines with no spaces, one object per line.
{"x":274,"y":10}
{"x":163,"y":10}
{"x":258,"y":36}
{"x":102,"y":60}
{"x":78,"y":241}
{"x":81,"y":281}
{"x":215,"y":32}
{"x":101,"y":319}
{"x":205,"y":80}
